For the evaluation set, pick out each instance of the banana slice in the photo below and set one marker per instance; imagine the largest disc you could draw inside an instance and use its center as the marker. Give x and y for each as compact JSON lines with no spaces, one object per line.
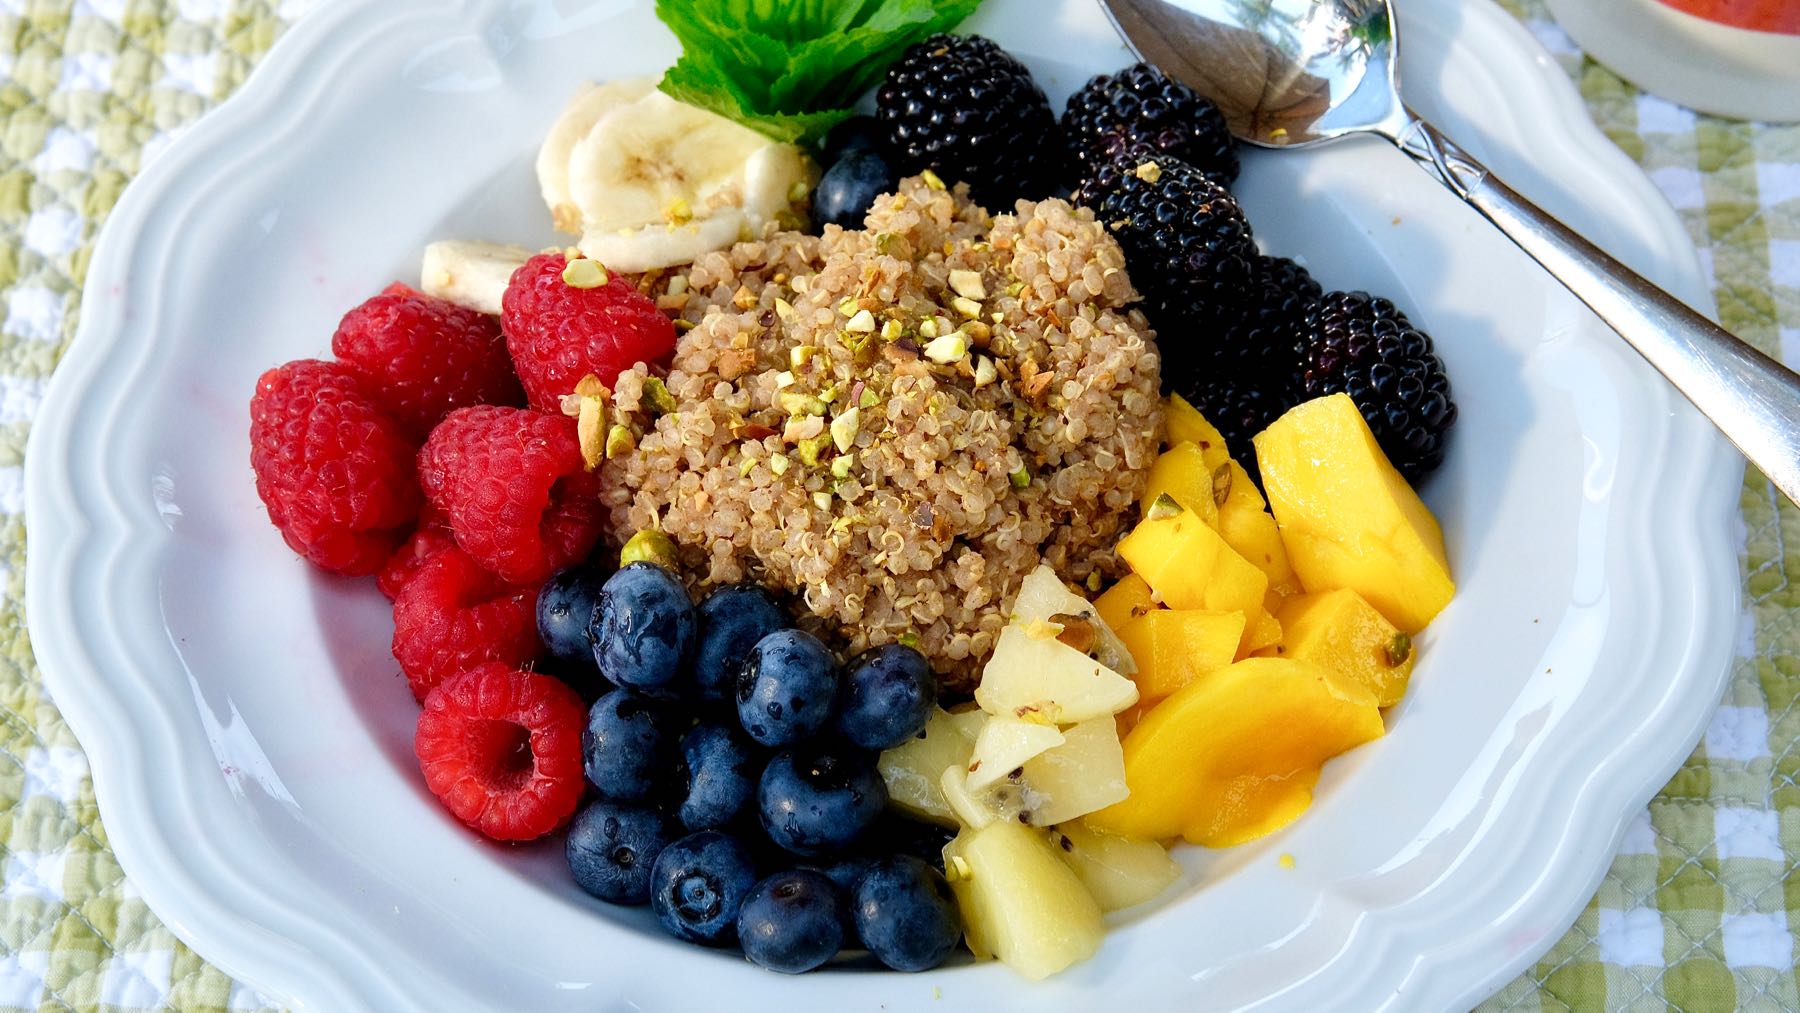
{"x":583,"y":111}
{"x":470,"y":274}
{"x":651,"y":246}
{"x":656,"y":158}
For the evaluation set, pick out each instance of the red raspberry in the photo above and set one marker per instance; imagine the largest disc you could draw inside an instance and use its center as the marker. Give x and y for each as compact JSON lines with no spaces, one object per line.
{"x":453,"y":615}
{"x":513,"y":485}
{"x":558,"y":333}
{"x":428,"y":539}
{"x":425,"y":356}
{"x":335,"y":471}
{"x":502,"y":750}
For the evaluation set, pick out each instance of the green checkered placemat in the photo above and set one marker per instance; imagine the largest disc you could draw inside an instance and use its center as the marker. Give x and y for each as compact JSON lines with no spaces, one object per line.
{"x":1697,"y":912}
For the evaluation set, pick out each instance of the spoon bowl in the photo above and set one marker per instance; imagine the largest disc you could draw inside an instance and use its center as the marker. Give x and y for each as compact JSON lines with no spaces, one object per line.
{"x":1298,"y":73}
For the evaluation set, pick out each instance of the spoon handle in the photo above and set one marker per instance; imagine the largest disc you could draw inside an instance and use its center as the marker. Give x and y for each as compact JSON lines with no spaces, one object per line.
{"x":1753,"y":399}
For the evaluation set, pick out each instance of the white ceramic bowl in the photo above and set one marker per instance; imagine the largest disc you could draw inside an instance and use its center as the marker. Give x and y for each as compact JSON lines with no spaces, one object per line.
{"x":250,"y":736}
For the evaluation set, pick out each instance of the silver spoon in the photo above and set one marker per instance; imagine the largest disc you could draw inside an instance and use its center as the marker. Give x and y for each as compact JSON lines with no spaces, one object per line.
{"x":1297,"y":73}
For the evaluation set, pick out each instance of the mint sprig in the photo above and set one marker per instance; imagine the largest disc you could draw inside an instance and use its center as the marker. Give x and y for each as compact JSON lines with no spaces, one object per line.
{"x":791,"y":69}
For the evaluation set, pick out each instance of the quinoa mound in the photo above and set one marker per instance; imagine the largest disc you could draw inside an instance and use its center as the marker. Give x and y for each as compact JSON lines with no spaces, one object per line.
{"x":897,"y":424}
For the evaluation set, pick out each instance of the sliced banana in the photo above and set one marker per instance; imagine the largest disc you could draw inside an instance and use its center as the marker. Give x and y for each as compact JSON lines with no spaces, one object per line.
{"x":656,"y":159}
{"x":587,"y":108}
{"x":652,"y":246}
{"x":470,"y":274}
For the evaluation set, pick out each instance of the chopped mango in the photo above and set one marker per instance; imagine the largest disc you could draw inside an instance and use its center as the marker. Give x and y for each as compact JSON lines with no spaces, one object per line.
{"x":1173,"y":647}
{"x":1121,"y":603}
{"x":1189,"y":566}
{"x":1183,"y":423}
{"x":1263,"y":631}
{"x":1346,"y":516}
{"x":1236,"y":754}
{"x":1248,"y":527}
{"x":1181,"y":473}
{"x":1340,"y":631}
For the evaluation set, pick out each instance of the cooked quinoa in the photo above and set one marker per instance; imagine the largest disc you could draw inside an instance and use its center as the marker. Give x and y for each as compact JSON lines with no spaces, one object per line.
{"x":896,"y":425}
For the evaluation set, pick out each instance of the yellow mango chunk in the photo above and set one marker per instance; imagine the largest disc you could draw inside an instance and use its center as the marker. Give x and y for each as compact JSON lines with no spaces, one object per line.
{"x":1124,"y":601}
{"x":1173,"y":647}
{"x":1189,"y":566}
{"x":1248,"y":527}
{"x":1181,"y":473}
{"x":1183,"y":423}
{"x":1340,"y":631}
{"x":1346,"y":516}
{"x":1236,"y":754}
{"x":1262,"y":632}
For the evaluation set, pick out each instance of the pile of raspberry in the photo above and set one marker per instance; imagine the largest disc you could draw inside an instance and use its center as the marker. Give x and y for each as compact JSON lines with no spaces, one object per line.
{"x":431,"y":453}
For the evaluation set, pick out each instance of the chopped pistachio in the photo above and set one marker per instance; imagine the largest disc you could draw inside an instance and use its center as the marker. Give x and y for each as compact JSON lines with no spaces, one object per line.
{"x":1398,"y":649}
{"x":678,"y":284}
{"x":848,"y":307}
{"x":799,"y":403}
{"x":804,"y":427}
{"x":997,"y":317}
{"x":1221,"y":483}
{"x":910,"y":639}
{"x":1020,"y":479}
{"x":619,"y":441}
{"x":862,"y":323}
{"x":884,"y":241}
{"x":1149,"y":172}
{"x":779,"y":464}
{"x":978,"y":332}
{"x":798,"y":191}
{"x":812,"y":449}
{"x":822,"y":500}
{"x":1015,"y":288}
{"x":966,"y":306}
{"x":956,"y":869}
{"x":844,"y":427}
{"x":869,"y":399}
{"x":891,"y":330}
{"x":829,"y":394}
{"x":649,"y":546}
{"x":746,"y":466}
{"x":1093,"y":581}
{"x":784,"y":309}
{"x":584,"y":273}
{"x":928,"y":328}
{"x":784,"y":380}
{"x":656,"y":394}
{"x":590,"y":430}
{"x":932,"y":179}
{"x":968,"y":283}
{"x":841,"y":465}
{"x":743,"y":298}
{"x":1162,"y":508}
{"x":800,"y":355}
{"x":984,"y":371}
{"x":947,"y":349}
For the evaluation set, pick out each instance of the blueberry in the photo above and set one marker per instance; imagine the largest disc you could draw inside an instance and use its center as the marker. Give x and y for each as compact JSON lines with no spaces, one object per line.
{"x":819,"y":800}
{"x":698,"y":885}
{"x":858,"y":133}
{"x":612,"y":848}
{"x":906,"y":914}
{"x":790,"y":922}
{"x":643,"y":627}
{"x":730,"y":622}
{"x":720,"y":773}
{"x":565,"y":612}
{"x":887,"y":697}
{"x":628,"y":747}
{"x":901,"y":835}
{"x":850,"y":186}
{"x":786,"y":687}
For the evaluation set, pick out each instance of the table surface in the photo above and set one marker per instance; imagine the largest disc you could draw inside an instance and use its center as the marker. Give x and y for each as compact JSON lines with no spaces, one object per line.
{"x":1697,"y":912}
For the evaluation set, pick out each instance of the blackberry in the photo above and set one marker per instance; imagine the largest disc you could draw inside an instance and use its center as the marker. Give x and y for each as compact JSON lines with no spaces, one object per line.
{"x":1141,"y":105}
{"x":1239,"y":408}
{"x":963,"y":107}
{"x":1362,"y":345}
{"x":1190,"y":252}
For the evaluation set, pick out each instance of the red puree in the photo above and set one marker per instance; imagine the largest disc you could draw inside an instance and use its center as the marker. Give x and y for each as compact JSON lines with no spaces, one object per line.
{"x":1780,"y":16}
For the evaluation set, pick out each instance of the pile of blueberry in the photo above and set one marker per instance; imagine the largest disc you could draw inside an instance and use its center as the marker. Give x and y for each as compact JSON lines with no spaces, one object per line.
{"x":732,"y":767}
